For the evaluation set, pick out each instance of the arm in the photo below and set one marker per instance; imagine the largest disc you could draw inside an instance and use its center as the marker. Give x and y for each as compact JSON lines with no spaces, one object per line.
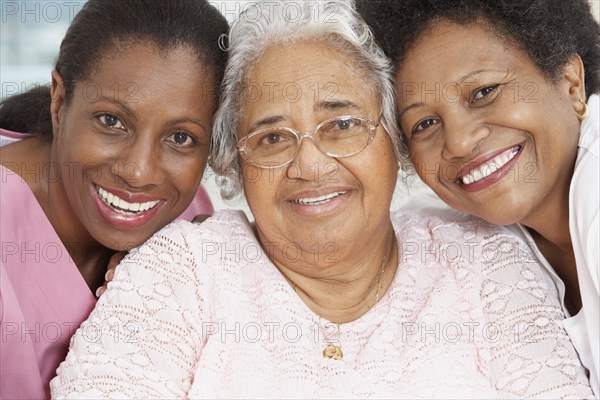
{"x":531,"y":355}
{"x":141,"y":340}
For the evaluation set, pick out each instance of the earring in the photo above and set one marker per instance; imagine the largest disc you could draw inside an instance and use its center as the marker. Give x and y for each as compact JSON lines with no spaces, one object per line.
{"x":583,"y":114}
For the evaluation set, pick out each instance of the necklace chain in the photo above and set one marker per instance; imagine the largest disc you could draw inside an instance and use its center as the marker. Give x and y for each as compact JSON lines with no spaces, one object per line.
{"x":333,"y":351}
{"x":379,"y":280}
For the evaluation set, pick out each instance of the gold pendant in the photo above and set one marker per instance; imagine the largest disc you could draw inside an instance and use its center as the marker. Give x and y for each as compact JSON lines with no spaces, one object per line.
{"x":334,"y":352}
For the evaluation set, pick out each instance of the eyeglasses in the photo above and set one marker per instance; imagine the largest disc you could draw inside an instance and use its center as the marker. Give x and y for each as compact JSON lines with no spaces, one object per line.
{"x":338,"y":137}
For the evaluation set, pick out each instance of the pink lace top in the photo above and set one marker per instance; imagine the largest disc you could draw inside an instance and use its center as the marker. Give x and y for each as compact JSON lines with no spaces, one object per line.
{"x":199,"y":311}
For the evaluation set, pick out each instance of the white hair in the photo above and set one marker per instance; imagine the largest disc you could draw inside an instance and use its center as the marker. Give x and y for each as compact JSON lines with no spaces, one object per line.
{"x":267,"y":23}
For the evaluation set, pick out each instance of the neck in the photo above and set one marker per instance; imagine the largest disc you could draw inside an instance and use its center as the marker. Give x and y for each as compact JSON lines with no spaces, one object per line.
{"x":345,"y":286}
{"x":551,"y":218}
{"x":563,"y":263}
{"x":554,"y":231}
{"x":549,"y":228}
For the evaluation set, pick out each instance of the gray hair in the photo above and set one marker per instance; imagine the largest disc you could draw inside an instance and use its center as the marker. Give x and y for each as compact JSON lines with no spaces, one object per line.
{"x":267,"y":23}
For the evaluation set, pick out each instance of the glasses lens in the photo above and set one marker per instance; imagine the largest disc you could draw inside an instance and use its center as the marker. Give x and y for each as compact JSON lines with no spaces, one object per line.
{"x":343,"y":136}
{"x":271,"y":147}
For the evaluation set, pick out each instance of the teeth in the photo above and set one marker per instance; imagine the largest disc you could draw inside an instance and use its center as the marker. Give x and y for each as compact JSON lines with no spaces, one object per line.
{"x":490,"y":167}
{"x":312,"y":201}
{"x":122,"y":206}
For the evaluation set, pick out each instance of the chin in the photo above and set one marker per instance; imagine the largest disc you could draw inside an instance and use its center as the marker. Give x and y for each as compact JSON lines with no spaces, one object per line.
{"x":503,"y":219}
{"x":121,"y":242}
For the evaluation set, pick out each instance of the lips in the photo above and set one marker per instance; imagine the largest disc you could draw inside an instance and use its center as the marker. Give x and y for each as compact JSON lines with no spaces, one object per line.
{"x":319,"y":202}
{"x":121,"y":205}
{"x":128,"y":214}
{"x":479,"y":175}
{"x":315,"y":201}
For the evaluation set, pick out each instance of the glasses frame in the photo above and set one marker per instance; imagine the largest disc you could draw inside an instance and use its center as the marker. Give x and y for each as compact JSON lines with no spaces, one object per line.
{"x":241,"y":145}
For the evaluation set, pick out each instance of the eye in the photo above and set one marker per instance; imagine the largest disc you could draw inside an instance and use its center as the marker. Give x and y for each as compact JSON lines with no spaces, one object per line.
{"x":182,"y":139}
{"x":425,"y":124}
{"x":343,"y":124}
{"x":484,"y":92}
{"x":272,"y":138}
{"x":111,"y":121}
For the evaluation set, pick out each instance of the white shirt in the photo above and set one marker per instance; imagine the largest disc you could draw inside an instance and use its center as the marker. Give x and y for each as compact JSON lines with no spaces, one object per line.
{"x":584,"y":204}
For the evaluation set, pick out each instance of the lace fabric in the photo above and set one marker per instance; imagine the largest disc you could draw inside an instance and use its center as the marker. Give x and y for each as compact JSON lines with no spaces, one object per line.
{"x":200,"y":311}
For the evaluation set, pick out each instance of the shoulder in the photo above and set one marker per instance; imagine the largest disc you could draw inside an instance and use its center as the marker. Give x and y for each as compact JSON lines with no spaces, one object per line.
{"x":196,"y":247}
{"x":584,"y":183}
{"x":584,"y":201}
{"x":8,"y":137}
{"x":11,"y":182}
{"x":180,"y":260}
{"x":189,"y":237}
{"x":449,"y":226}
{"x":468,"y":247}
{"x":17,"y":201}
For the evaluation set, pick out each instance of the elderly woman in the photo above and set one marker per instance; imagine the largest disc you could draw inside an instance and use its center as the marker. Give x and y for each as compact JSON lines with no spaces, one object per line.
{"x":328,"y":295}
{"x":498,"y":102}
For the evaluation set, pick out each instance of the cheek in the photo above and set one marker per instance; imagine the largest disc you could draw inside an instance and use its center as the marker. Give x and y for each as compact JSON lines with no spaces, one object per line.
{"x":421,"y":163}
{"x":428,"y":150}
{"x":379,"y":170}
{"x":260,"y":185}
{"x":78,"y":145}
{"x":76,"y":162}
{"x":185,"y":174}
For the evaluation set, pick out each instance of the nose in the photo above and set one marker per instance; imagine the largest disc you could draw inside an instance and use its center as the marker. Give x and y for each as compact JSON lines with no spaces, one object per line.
{"x":462,"y":135}
{"x":310,"y":163}
{"x":139,"y":164}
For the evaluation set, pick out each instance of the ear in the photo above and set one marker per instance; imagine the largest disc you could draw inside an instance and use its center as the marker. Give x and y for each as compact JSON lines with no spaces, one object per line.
{"x":574,"y":75}
{"x":57,"y":104}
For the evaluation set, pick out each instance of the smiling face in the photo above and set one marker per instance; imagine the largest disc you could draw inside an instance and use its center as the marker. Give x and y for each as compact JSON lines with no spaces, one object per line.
{"x":133,"y":143}
{"x":487,"y":131}
{"x":316,"y":198}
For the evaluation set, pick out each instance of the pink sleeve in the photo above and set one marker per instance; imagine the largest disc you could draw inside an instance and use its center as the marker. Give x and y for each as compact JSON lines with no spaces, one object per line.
{"x":200,"y":205}
{"x":14,"y":135}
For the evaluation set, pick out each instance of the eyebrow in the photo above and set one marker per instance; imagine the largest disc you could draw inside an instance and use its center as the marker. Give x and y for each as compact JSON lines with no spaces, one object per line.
{"x":414,"y":105}
{"x":122,"y":106}
{"x":460,"y":81}
{"x":318,"y":106}
{"x":472,"y":73}
{"x":266,"y":121}
{"x":335,"y":105}
{"x":188,"y":120}
{"x":174,"y":122}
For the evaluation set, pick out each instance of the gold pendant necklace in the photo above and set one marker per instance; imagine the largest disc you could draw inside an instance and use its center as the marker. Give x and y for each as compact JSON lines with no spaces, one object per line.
{"x":332,"y":351}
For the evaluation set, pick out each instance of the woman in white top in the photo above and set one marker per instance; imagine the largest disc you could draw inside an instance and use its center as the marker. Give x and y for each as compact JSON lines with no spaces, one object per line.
{"x":499,"y":107}
{"x":329,"y":295}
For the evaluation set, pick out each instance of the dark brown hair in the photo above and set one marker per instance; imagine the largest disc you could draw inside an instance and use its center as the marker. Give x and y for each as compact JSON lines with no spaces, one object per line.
{"x":549,"y":31}
{"x":102,"y":24}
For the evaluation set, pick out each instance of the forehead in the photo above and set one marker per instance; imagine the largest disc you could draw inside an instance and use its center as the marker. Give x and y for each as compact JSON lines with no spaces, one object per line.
{"x":446,"y":49}
{"x":145,"y":66}
{"x":149,"y":80}
{"x":306,"y":72}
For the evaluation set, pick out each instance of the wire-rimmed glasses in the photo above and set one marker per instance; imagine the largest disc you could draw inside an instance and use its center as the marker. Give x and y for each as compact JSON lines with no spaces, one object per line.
{"x":337,"y":137}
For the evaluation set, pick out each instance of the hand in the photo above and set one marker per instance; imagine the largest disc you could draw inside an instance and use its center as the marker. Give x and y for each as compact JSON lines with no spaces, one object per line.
{"x":110,"y":271}
{"x":200,"y":218}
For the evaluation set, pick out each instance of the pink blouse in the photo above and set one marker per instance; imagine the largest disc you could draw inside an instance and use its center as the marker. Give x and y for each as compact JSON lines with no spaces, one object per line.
{"x":199,"y":311}
{"x":43,"y":297}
